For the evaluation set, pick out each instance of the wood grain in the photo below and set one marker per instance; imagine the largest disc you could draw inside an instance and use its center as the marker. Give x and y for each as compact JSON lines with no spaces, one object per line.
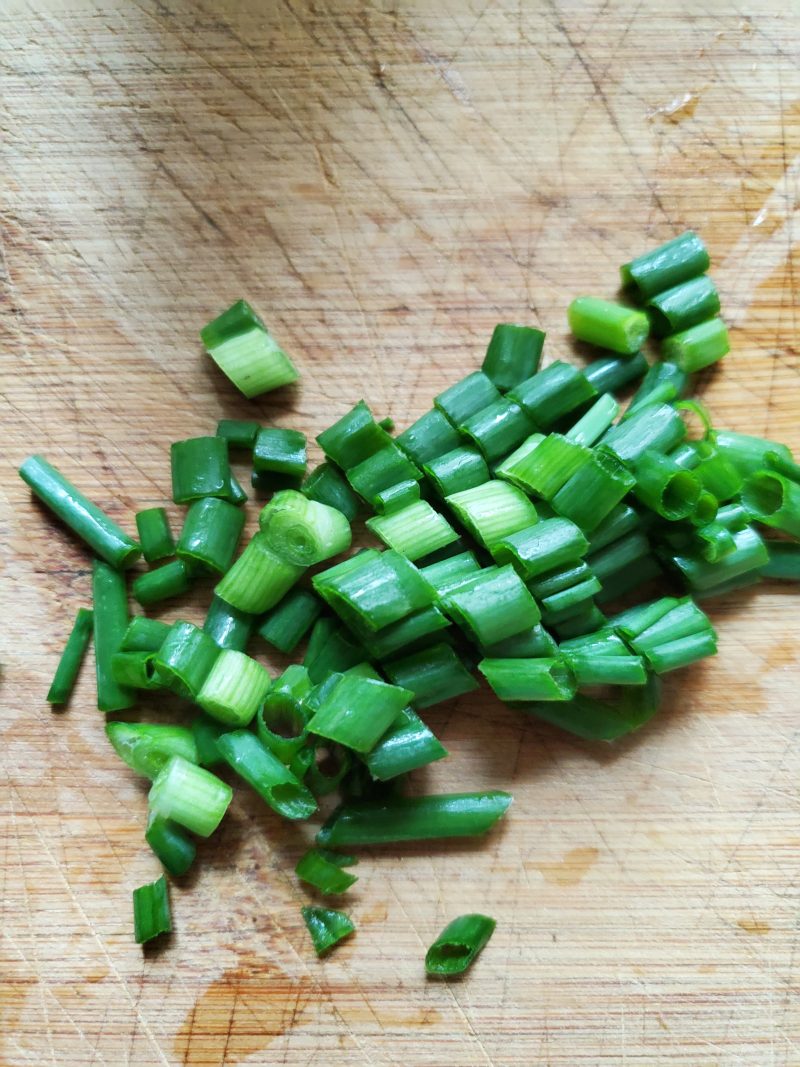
{"x":385,"y":182}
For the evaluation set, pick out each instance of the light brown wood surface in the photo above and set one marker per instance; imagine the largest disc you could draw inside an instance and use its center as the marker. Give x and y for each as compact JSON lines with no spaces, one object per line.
{"x":385,"y":182}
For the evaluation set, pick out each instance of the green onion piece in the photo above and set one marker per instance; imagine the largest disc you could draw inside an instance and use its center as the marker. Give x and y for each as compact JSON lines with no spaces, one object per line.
{"x":715,"y":541}
{"x":199,"y":468}
{"x":234,"y":688}
{"x":326,"y":927}
{"x":542,"y":547}
{"x":699,"y":346}
{"x":449,"y":573}
{"x":682,"y":652}
{"x":329,"y":766}
{"x":303,"y":532}
{"x":407,"y":634}
{"x":110,"y":621}
{"x":258,"y":579}
{"x":375,"y":590}
{"x":774,"y":501}
{"x":634,"y":621}
{"x":622,"y":520}
{"x":185,"y":659}
{"x":741,"y":581}
{"x":386,"y":423}
{"x":705,"y":509}
{"x":619,"y":555}
{"x":148,"y":747}
{"x":602,"y":720}
{"x":281,"y":724}
{"x":529,"y":679}
{"x":656,"y":428}
{"x":206,"y":733}
{"x":265,"y":773}
{"x":413,"y":531}
{"x":228,"y":627}
{"x":664,"y":381}
{"x":234,"y":492}
{"x":566,"y":602}
{"x":329,"y":649}
{"x":607,"y":670}
{"x":677,"y":261}
{"x":266,"y":483}
{"x":83,"y":517}
{"x":750,"y":554}
{"x":595,"y":422}
{"x":457,"y":946}
{"x":71,"y":658}
{"x":682,"y":306}
{"x":407,"y":745}
{"x":611,"y":374}
{"x":421,"y":818}
{"x":593,"y":491}
{"x":784,"y":562}
{"x":535,"y":643}
{"x":210,"y":534}
{"x":380,"y":471}
{"x":460,"y":468}
{"x":396,"y":496}
{"x":238,"y":433}
{"x":285,"y":626}
{"x":683,"y":619}
{"x":172,"y":845}
{"x":358,"y":711}
{"x":587,"y":619}
{"x":155,"y":536}
{"x":144,"y":635}
{"x":493,"y":606}
{"x":513,"y":354}
{"x":466,"y":397}
{"x":295,"y":682}
{"x":151,"y":914}
{"x":664,"y":487}
{"x":171,"y":579}
{"x":505,"y":469}
{"x":135,"y":669}
{"x":279,"y":451}
{"x":717,"y":473}
{"x":603,"y":644}
{"x":499,"y":428}
{"x":560,"y":579}
{"x":623,"y":581}
{"x":323,"y":870}
{"x":773,"y":461}
{"x":430,"y":436}
{"x":549,"y":466}
{"x":493,"y":511}
{"x":553,"y":393}
{"x":734,"y":516}
{"x":353,"y":438}
{"x":609,"y":325}
{"x":245,"y":351}
{"x":327,"y":485}
{"x":747,"y":454}
{"x":432,"y":675}
{"x":190,"y":796}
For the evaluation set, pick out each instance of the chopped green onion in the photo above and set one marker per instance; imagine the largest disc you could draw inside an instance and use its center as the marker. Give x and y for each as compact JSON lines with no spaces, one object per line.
{"x":609,"y":325}
{"x":164,"y":582}
{"x":185,"y":659}
{"x":109,"y":621}
{"x":246,"y":352}
{"x":623,"y":519}
{"x":549,"y":466}
{"x":493,"y":511}
{"x":529,"y":679}
{"x":420,"y":818}
{"x":715,"y":470}
{"x":326,"y":927}
{"x":715,"y":541}
{"x":449,"y":573}
{"x":206,"y":733}
{"x":71,"y":658}
{"x":238,"y":433}
{"x":432,"y":674}
{"x":410,"y":632}
{"x":358,"y":711}
{"x":396,"y":496}
{"x":750,"y":554}
{"x":353,"y":438}
{"x":228,"y":627}
{"x":505,"y":469}
{"x":619,"y":555}
{"x":466,"y":397}
{"x":566,"y":602}
{"x":327,"y":485}
{"x":535,"y":643}
{"x":83,"y":517}
{"x":302,"y":531}
{"x":635,"y":621}
{"x":199,"y":468}
{"x":705,"y":509}
{"x":682,"y":652}
{"x":285,"y":626}
{"x":774,"y":501}
{"x":601,"y":720}
{"x":407,"y":745}
{"x":595,"y":422}
{"x":190,"y":795}
{"x":593,"y":491}
{"x":457,"y":946}
{"x":610,"y":374}
{"x":380,"y":471}
{"x":734,"y":516}
{"x":172,"y":845}
{"x":631,"y":577}
{"x":656,"y":428}
{"x":773,"y":461}
{"x":323,"y":870}
{"x":741,"y":581}
{"x":493,"y":606}
{"x":234,"y":493}
{"x":499,"y":428}
{"x":375,"y":589}
{"x":280,"y":451}
{"x":590,"y":669}
{"x":135,"y":669}
{"x":210,"y":534}
{"x":553,"y":393}
{"x":588,"y":618}
{"x":151,"y":914}
{"x":513,"y":354}
{"x":699,"y":346}
{"x":682,"y":306}
{"x":281,"y":724}
{"x":144,"y":635}
{"x":542,"y":547}
{"x":682,"y":619}
{"x":460,"y":468}
{"x":430,"y":436}
{"x":748,"y":454}
{"x":677,"y":261}
{"x":664,"y":487}
{"x":265,"y":773}
{"x":148,"y":747}
{"x":329,"y":766}
{"x":258,"y":579}
{"x":234,"y":688}
{"x":155,"y":536}
{"x":784,"y":561}
{"x":413,"y":531}
{"x":330,"y":649}
{"x":664,"y":381}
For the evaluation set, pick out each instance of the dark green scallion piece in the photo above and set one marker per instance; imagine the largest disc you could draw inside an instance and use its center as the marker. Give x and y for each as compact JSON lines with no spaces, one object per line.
{"x":135,"y":669}
{"x":499,"y":428}
{"x":354,"y":438}
{"x":628,"y":578}
{"x":513,"y":354}
{"x":171,"y":844}
{"x":357,"y":711}
{"x":449,"y":573}
{"x":541,"y":548}
{"x":413,"y":631}
{"x":602,"y":720}
{"x":246,"y":352}
{"x":774,"y":501}
{"x":685,"y":305}
{"x":151,"y":914}
{"x":667,"y":489}
{"x":407,"y":745}
{"x":457,"y":946}
{"x":380,"y":471}
{"x":155,"y":535}
{"x":432,"y":675}
{"x":206,"y":732}
{"x":656,"y":428}
{"x":460,"y":468}
{"x":749,"y":555}
{"x":430,"y":436}
{"x":169,"y":580}
{"x":328,"y":486}
{"x":717,"y":473}
{"x":748,"y":454}
{"x":210,"y":534}
{"x":281,"y":724}
{"x":234,"y":493}
{"x":238,"y":433}
{"x":552,"y":393}
{"x":610,"y":374}
{"x":663,"y":382}
{"x":110,"y":621}
{"x":622,"y":520}
{"x":493,"y":606}
{"x":609,"y":325}
{"x":326,"y":927}
{"x":396,"y":496}
{"x":328,"y":766}
{"x":185,"y":659}
{"x":325,"y":870}
{"x":619,"y":555}
{"x":677,"y":261}
{"x":148,"y":747}
{"x":784,"y":562}
{"x":265,"y":773}
{"x":330,"y":649}
{"x":699,"y":346}
{"x":279,"y":451}
{"x":535,"y":643}
{"x":466,"y":397}
{"x":144,"y":635}
{"x":71,"y":659}
{"x":787,"y":468}
{"x":590,"y":494}
{"x":374,"y":589}
{"x":517,"y":680}
{"x":228,"y":627}
{"x":287,"y":624}
{"x":595,"y":421}
{"x":199,"y":468}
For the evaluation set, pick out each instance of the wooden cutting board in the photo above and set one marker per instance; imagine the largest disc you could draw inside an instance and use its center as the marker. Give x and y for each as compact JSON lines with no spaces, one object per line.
{"x":385,"y":182}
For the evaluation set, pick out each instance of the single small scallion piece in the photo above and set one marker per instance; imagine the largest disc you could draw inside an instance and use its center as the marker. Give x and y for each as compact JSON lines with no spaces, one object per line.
{"x":414,"y":531}
{"x":466,"y":397}
{"x":595,"y":422}
{"x":667,"y":489}
{"x":327,"y":768}
{"x":493,"y":511}
{"x":458,"y":945}
{"x":657,"y":427}
{"x":699,"y":346}
{"x":327,"y":927}
{"x":675,"y":310}
{"x":303,"y":532}
{"x":327,"y":485}
{"x":380,"y":471}
{"x":358,"y":711}
{"x":169,"y":580}
{"x":171,"y":844}
{"x":535,"y":643}
{"x":774,"y":501}
{"x":210,"y":534}
{"x":622,"y":520}
{"x":414,"y":631}
{"x":396,"y":496}
{"x":265,"y":773}
{"x":144,"y":635}
{"x":151,"y":914}
{"x":602,"y":720}
{"x":329,"y":649}
{"x":325,"y":870}
{"x":84,"y":518}
{"x":619,"y":555}
{"x":246,"y":352}
{"x":353,"y":438}
{"x":784,"y":562}
{"x":787,"y":468}
{"x":748,"y":454}
{"x":285,"y":626}
{"x":71,"y":659}
{"x":374,"y":589}
{"x":513,"y":354}
{"x":552,"y":393}
{"x":148,"y":747}
{"x":155,"y":535}
{"x":430,"y":436}
{"x":190,"y":795}
{"x":499,"y":428}
{"x":407,"y":745}
{"x":228,"y":627}
{"x":432,"y":675}
{"x":677,"y":261}
{"x":715,"y":470}
{"x":593,"y":491}
{"x":612,"y":373}
{"x":135,"y":669}
{"x":493,"y":606}
{"x":234,"y":492}
{"x":547,"y":467}
{"x":541,"y":548}
{"x":460,"y":468}
{"x":591,"y":669}
{"x":449,"y":573}
{"x":234,"y":688}
{"x":517,"y":680}
{"x":280,"y":451}
{"x":749,"y":555}
{"x":258,"y":579}
{"x":282,"y":723}
{"x":601,"y":322}
{"x":200,"y":468}
{"x":663,"y":382}
{"x":109,"y":623}
{"x":238,"y":433}
{"x":184,"y":660}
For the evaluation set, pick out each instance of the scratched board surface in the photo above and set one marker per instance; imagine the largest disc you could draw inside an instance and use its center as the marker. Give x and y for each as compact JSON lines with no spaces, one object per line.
{"x":385,"y":182}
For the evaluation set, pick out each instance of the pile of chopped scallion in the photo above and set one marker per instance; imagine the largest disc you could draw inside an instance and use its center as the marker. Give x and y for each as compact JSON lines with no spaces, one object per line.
{"x":513,"y":516}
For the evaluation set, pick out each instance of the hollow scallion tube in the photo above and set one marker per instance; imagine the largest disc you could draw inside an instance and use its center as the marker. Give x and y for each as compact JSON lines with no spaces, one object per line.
{"x":396,"y":496}
{"x":407,"y":745}
{"x":773,"y":461}
{"x":210,"y":534}
{"x":169,"y":580}
{"x":612,"y":373}
{"x":238,"y":433}
{"x":327,"y":767}
{"x":258,"y":579}
{"x":71,"y":659}
{"x":602,"y":720}
{"x":109,"y":621}
{"x":449,"y":573}
{"x":421,"y":818}
{"x":681,"y":652}
{"x":601,"y":322}
{"x":199,"y":468}
{"x":246,"y":352}
{"x":280,"y":451}
{"x":699,"y":346}
{"x":749,"y":555}
{"x":413,"y":631}
{"x":548,"y":467}
{"x":234,"y":688}
{"x":375,"y":590}
{"x":326,"y":927}
{"x":784,"y":562}
{"x":499,"y":428}
{"x":665,"y":488}
{"x":663,"y":382}
{"x":413,"y":531}
{"x":281,"y":724}
{"x":325,"y":870}
{"x":593,"y":491}
{"x":535,"y":643}
{"x":171,"y":844}
{"x":607,"y":670}
{"x":148,"y":747}
{"x":265,"y":773}
{"x":774,"y":501}
{"x":303,"y":532}
{"x":84,"y":518}
{"x":190,"y":795}
{"x":747,"y":453}
{"x":687,"y":304}
{"x":358,"y":711}
{"x":677,"y":261}
{"x":717,"y":473}
{"x":493,"y":511}
{"x":513,"y":354}
{"x":185,"y":659}
{"x":430,"y":436}
{"x":432,"y":675}
{"x":151,"y":914}
{"x":505,"y":468}
{"x":529,"y":679}
{"x":380,"y":471}
{"x":353,"y":438}
{"x":466,"y":397}
{"x":234,"y":493}
{"x":493,"y":606}
{"x":285,"y":626}
{"x":653,"y":428}
{"x":144,"y":635}
{"x":633,"y":622}
{"x":135,"y":669}
{"x":457,"y":946}
{"x":228,"y":627}
{"x":734,"y":516}
{"x":595,"y":422}
{"x":155,"y":535}
{"x":715,"y":541}
{"x":327,"y":485}
{"x":460,"y":468}
{"x":683,"y":619}
{"x":542,"y":547}
{"x":552,"y":393}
